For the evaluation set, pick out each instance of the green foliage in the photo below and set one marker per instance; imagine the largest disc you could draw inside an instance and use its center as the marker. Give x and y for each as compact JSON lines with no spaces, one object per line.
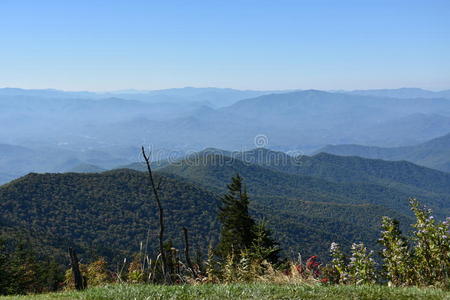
{"x":335,"y":199}
{"x":361,"y":269}
{"x":104,"y":215}
{"x":338,"y":272}
{"x":173,"y":261}
{"x":244,"y":269}
{"x":23,"y":272}
{"x":94,"y":274}
{"x":433,"y":154}
{"x":136,"y":270}
{"x":425,"y":263}
{"x":432,"y":248}
{"x":97,"y":273}
{"x":108,"y":214}
{"x":234,"y":291}
{"x":237,"y":232}
{"x":211,"y":267}
{"x":321,"y":178}
{"x":245,"y":246}
{"x":264,"y":247}
{"x":4,"y":269}
{"x":397,"y":259}
{"x":69,"y":283}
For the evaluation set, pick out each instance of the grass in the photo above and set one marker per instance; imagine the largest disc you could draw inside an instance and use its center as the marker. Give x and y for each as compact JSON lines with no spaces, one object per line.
{"x":240,"y":291}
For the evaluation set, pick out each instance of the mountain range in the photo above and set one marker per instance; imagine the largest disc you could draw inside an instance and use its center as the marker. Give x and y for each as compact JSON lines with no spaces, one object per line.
{"x":433,"y":154}
{"x":319,"y":178}
{"x":61,"y":130}
{"x":406,"y":93}
{"x":307,"y":201}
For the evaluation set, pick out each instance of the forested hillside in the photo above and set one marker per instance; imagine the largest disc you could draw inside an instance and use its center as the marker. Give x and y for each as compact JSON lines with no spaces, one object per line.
{"x":108,"y":214}
{"x":433,"y":154}
{"x":105,"y":214}
{"x":325,"y":178}
{"x":308,"y":202}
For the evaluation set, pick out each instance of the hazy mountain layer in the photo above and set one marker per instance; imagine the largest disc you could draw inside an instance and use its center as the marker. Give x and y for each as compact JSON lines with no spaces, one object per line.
{"x":434,"y":153}
{"x":64,"y":129}
{"x":406,"y":93}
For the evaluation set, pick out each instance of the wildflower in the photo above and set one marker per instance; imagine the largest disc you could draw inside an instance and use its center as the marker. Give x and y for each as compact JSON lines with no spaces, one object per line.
{"x":334,"y":246}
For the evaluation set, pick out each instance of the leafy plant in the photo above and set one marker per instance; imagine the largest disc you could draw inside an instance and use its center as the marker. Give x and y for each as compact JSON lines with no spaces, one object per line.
{"x":432,"y":247}
{"x":338,"y":271}
{"x":397,"y":258}
{"x":362,"y":267}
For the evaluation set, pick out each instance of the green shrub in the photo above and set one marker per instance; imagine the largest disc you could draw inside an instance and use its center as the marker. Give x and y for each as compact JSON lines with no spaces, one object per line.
{"x":338,"y":271}
{"x":431,"y":253}
{"x":397,"y":259}
{"x":362,"y":267}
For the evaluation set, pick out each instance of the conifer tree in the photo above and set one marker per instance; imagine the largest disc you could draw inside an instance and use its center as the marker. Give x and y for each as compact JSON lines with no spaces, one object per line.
{"x":5,"y":275}
{"x":237,"y":232}
{"x":264,"y":247}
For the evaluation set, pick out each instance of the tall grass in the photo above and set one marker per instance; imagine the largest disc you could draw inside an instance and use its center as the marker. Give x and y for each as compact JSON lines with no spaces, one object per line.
{"x":241,"y":291}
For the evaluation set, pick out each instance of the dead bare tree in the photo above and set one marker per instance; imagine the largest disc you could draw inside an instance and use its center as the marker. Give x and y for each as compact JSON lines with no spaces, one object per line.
{"x":186,"y":252}
{"x":79,"y":281}
{"x":155,"y":189}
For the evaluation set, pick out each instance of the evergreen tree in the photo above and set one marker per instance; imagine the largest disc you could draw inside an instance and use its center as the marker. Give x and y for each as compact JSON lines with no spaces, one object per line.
{"x":237,"y":232}
{"x":24,"y":270}
{"x":264,"y":247}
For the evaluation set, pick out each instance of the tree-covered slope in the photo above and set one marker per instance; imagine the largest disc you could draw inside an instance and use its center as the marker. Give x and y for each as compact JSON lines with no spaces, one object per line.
{"x":324,"y":180}
{"x":86,"y":168}
{"x":109,"y":214}
{"x":105,"y":214}
{"x":304,"y":210}
{"x":401,"y":175}
{"x":433,"y":154}
{"x":308,"y":202}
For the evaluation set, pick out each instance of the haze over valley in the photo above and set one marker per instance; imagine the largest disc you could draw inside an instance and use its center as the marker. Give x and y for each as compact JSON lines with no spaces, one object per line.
{"x":57,"y":131}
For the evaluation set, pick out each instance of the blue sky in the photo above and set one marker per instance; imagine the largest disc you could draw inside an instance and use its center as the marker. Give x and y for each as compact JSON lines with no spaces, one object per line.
{"x":279,"y":44}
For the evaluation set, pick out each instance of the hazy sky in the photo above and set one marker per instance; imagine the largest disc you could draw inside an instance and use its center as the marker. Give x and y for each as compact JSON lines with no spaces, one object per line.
{"x":277,"y":44}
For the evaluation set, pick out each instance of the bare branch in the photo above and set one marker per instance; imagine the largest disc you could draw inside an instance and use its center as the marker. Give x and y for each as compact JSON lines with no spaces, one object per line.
{"x":186,"y":252}
{"x":158,"y":186}
{"x":160,"y":209}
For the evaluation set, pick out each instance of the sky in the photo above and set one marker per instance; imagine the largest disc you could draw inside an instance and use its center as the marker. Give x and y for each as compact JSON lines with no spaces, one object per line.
{"x":112,"y":45}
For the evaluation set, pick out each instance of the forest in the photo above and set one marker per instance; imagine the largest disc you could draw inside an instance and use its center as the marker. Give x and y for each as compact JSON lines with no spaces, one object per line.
{"x":278,"y":220}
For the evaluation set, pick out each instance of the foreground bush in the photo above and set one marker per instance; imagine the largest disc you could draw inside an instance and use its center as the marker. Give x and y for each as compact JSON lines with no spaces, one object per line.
{"x":423,"y":260}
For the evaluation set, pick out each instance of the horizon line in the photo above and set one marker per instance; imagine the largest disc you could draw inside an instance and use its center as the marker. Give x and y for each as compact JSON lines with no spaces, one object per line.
{"x":135,"y":90}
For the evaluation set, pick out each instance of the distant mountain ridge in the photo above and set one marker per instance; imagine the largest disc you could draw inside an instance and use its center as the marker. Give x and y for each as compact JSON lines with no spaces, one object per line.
{"x":402,"y":93}
{"x":215,"y":96}
{"x":433,"y":154}
{"x":321,"y":178}
{"x":86,"y":168}
{"x":17,"y":161}
{"x":211,"y":92}
{"x":78,"y":129}
{"x":341,"y":117}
